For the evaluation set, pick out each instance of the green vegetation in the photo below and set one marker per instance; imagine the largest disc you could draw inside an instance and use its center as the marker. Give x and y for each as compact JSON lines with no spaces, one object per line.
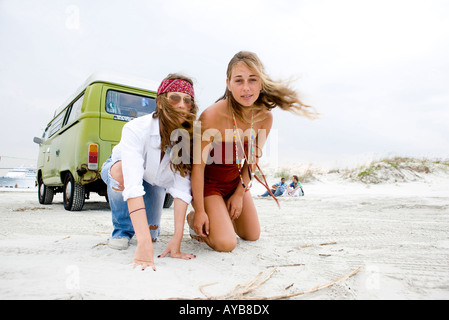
{"x":306,"y":175}
{"x":384,"y":170}
{"x":397,"y":169}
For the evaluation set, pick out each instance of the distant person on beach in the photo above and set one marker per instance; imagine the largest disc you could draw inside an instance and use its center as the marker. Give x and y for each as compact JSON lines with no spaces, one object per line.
{"x":295,"y":188}
{"x":277,"y":189}
{"x":239,"y":123}
{"x":140,"y":170}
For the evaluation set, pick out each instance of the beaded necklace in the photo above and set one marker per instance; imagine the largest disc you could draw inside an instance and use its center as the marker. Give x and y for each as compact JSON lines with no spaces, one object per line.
{"x":251,"y":159}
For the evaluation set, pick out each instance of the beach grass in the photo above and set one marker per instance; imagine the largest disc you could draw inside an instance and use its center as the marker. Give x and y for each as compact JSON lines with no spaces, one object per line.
{"x":397,"y":169}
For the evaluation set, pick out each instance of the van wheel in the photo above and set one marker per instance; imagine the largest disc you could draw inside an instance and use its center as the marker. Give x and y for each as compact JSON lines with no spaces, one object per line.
{"x":45,"y":193}
{"x":74,"y":194}
{"x":168,"y":201}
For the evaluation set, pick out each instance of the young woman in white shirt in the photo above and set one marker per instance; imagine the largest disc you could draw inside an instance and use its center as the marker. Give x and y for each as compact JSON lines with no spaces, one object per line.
{"x":140,"y":171}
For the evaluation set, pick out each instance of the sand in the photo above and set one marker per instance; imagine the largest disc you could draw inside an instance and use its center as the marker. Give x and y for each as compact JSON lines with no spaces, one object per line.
{"x":396,"y":233}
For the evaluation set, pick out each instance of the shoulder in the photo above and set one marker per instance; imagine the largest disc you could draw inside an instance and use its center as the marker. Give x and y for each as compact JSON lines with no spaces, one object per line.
{"x":266,"y":119}
{"x":214,"y":114}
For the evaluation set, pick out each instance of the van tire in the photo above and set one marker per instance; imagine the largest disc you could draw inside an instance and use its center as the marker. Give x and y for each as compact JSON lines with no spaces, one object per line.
{"x":168,"y":201}
{"x":73,"y":194}
{"x":45,"y":194}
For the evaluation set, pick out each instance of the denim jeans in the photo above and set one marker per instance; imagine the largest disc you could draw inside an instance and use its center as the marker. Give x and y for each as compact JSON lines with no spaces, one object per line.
{"x":153,"y":199}
{"x":278,"y":192}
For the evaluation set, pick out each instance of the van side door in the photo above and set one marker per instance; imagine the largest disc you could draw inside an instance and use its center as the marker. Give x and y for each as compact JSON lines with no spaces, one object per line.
{"x":51,"y":150}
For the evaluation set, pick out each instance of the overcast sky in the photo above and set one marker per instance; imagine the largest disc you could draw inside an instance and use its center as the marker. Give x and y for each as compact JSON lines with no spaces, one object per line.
{"x":377,"y":70}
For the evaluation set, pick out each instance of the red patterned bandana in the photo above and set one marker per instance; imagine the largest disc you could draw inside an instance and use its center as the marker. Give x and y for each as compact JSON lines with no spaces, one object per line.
{"x":176,"y":85}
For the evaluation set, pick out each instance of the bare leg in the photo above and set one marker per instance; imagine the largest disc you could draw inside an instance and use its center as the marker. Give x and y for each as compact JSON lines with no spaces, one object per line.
{"x":222,"y":236}
{"x":247,"y":226}
{"x":117,"y":174}
{"x":222,"y":233}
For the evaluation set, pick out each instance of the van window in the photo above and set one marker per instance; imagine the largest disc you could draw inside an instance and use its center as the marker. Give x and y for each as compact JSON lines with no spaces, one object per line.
{"x":56,"y":123}
{"x":126,"y":106}
{"x":75,"y":111}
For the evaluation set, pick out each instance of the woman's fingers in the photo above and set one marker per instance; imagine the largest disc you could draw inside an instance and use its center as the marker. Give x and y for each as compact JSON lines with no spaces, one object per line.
{"x":201,"y":227}
{"x":185,"y":256}
{"x":143,"y":264}
{"x":167,"y":251}
{"x":178,"y":255}
{"x":206,"y":228}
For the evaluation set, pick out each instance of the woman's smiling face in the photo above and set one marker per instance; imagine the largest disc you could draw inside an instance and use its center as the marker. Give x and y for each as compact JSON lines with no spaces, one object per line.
{"x":244,"y":84}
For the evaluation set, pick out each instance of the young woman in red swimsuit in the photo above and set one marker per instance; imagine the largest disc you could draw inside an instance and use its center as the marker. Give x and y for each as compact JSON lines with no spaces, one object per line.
{"x":221,"y":197}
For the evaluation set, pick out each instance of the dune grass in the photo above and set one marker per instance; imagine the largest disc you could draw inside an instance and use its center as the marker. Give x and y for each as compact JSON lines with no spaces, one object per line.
{"x":397,"y":169}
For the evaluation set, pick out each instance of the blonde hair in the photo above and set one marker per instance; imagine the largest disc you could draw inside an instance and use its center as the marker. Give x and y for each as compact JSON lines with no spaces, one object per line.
{"x":273,"y":94}
{"x":172,"y":119}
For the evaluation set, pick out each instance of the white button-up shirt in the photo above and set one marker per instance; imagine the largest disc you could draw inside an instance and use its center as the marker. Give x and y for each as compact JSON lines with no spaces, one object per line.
{"x":140,"y":153}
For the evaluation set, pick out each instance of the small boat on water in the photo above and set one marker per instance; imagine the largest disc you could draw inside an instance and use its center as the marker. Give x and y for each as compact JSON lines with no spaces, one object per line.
{"x":19,"y":178}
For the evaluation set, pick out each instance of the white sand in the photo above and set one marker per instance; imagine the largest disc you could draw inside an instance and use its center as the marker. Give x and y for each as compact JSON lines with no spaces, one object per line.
{"x":397,"y":233}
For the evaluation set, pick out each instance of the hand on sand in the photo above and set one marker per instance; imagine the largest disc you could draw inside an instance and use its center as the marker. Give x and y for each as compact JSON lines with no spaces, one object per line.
{"x":144,"y":255}
{"x":173,"y":249}
{"x":143,"y":264}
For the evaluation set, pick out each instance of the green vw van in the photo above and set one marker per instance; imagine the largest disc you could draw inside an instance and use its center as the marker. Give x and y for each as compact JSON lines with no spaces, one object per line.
{"x":82,"y":133}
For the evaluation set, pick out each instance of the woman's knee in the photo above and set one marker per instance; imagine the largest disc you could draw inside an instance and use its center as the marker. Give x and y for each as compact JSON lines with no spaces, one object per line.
{"x":223,"y":244}
{"x":252,"y":236}
{"x":117,"y":173}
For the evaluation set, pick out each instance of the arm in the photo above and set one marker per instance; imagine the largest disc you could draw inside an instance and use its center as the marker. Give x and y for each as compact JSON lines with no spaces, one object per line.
{"x":198,"y":187}
{"x":180,"y":216}
{"x":235,"y":202}
{"x":200,"y":218}
{"x":144,"y":251}
{"x":174,"y":246}
{"x":132,"y":171}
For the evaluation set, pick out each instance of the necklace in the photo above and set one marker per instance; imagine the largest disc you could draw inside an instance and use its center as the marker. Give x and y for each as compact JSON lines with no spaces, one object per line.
{"x":251,"y":158}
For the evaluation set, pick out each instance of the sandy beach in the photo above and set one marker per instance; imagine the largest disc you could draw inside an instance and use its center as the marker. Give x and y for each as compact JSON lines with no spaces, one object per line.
{"x":396,"y":233}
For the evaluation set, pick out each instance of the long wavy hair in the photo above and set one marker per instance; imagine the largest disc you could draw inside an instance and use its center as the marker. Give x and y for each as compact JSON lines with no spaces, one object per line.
{"x":172,"y":119}
{"x":273,"y":94}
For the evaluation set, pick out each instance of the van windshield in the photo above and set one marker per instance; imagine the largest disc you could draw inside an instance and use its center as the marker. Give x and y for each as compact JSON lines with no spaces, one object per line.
{"x":126,"y":106}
